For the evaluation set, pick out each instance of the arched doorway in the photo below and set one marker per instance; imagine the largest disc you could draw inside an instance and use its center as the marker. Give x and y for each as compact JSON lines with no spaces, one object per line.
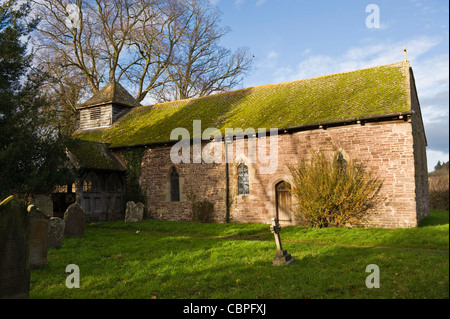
{"x":283,"y":201}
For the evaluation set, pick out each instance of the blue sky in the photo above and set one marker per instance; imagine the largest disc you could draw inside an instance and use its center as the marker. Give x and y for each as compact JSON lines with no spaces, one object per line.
{"x":296,"y":39}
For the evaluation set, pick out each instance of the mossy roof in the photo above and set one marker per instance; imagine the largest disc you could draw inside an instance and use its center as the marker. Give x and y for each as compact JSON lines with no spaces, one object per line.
{"x":92,"y":155}
{"x":112,"y":92}
{"x":365,"y":93}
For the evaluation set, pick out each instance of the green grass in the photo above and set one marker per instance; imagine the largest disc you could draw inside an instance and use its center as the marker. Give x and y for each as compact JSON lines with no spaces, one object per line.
{"x":160,"y":259}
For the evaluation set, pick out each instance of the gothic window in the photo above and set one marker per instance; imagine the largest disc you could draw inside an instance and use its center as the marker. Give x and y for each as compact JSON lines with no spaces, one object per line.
{"x":342,"y":163}
{"x":174,"y":186}
{"x":243,"y":185}
{"x":91,"y":183}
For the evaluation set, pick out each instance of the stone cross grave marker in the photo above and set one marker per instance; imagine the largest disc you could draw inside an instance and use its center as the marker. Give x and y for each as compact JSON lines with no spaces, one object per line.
{"x":281,"y":256}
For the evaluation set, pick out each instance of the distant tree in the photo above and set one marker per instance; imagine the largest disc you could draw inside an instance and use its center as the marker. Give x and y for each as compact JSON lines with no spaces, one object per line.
{"x":31,"y":152}
{"x":438,"y":166}
{"x":445,"y":165}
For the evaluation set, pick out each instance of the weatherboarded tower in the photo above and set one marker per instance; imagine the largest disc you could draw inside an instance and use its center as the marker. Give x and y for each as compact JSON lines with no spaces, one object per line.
{"x":105,"y":107}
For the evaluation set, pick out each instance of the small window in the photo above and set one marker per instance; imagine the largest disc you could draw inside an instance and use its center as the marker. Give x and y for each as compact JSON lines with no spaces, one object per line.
{"x":342,"y":163}
{"x":243,"y":185}
{"x":174,"y":186}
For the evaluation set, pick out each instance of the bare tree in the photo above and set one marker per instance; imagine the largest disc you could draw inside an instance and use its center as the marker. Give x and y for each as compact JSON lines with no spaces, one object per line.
{"x":89,"y":35}
{"x":161,"y":31}
{"x":64,"y":42}
{"x":163,"y":48}
{"x":203,"y":67}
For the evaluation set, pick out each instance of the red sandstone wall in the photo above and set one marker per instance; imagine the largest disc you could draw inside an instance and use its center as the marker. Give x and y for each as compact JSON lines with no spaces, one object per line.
{"x":204,"y":181}
{"x":386,"y":148}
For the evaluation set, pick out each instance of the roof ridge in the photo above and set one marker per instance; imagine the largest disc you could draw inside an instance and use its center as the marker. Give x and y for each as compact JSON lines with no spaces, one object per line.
{"x":338,"y":97}
{"x":110,"y":94}
{"x":405,"y":63}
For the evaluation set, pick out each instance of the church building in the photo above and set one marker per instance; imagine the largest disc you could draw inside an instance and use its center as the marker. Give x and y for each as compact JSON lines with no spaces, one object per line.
{"x":171,"y":154}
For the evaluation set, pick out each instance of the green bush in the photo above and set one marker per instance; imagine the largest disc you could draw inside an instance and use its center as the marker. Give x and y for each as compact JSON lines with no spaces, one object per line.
{"x":439,"y":196}
{"x":439,"y":199}
{"x":333,"y":192}
{"x":133,"y":191}
{"x":203,"y":211}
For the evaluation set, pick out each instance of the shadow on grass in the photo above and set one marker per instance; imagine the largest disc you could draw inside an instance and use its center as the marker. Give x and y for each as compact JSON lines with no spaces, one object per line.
{"x":437,"y":217}
{"x":433,"y":233}
{"x":145,"y":265}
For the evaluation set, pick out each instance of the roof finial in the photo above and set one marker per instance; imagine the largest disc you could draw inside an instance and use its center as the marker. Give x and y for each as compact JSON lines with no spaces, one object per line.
{"x":404,"y":50}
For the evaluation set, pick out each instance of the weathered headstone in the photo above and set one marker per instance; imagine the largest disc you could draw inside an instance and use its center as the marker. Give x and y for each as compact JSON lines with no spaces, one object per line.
{"x":38,"y":237}
{"x":75,"y":220}
{"x":56,"y":232}
{"x":281,"y":255}
{"x":134,"y":212}
{"x":44,"y":203}
{"x":14,"y":249}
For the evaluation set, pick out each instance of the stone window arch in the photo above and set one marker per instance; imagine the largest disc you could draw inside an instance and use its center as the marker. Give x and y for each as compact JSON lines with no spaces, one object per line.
{"x":283,"y":200}
{"x":174,"y":185}
{"x":91,"y":183}
{"x":243,"y":181}
{"x":341,"y":162}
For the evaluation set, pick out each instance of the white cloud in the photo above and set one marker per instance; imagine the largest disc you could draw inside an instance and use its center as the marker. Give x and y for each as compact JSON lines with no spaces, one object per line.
{"x":260,"y":2}
{"x":272,"y":55}
{"x":269,"y":61}
{"x":431,"y":75}
{"x":432,"y":82}
{"x":370,"y":55}
{"x":213,"y":2}
{"x":282,"y":73}
{"x":434,"y":156}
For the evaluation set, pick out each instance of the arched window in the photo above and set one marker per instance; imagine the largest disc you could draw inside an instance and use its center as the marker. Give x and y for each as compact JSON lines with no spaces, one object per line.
{"x":174,"y":185}
{"x":342,"y":163}
{"x":243,"y":184}
{"x":91,"y":183}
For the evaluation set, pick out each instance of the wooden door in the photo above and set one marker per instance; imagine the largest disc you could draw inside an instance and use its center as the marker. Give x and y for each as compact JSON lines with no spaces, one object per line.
{"x":283,"y":202}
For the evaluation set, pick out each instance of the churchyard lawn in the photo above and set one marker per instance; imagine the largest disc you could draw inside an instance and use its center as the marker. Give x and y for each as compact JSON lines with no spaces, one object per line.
{"x":167,"y":260}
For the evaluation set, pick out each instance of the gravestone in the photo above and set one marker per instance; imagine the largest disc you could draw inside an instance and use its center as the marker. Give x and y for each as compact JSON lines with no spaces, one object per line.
{"x":56,"y":232}
{"x":75,"y":220}
{"x":134,"y":212}
{"x":38,"y":237}
{"x":281,"y":255}
{"x":14,"y":248}
{"x":44,"y":203}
